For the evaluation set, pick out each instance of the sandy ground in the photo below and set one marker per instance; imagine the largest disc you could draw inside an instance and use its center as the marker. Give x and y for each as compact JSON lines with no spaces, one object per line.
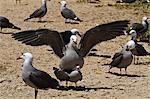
{"x":98,"y":83}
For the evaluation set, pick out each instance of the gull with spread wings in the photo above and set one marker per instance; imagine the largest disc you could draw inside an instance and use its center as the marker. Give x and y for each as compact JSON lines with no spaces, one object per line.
{"x":73,"y":54}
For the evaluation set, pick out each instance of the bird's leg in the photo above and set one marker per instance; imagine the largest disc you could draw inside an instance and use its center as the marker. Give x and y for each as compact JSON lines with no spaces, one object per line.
{"x":1,"y":29}
{"x":66,"y":20}
{"x":120,"y":71}
{"x":125,"y":71}
{"x":134,"y":59}
{"x":137,"y":60}
{"x":66,"y":83}
{"x":36,"y":91}
{"x":76,"y":84}
{"x":109,"y":69}
{"x":40,"y":20}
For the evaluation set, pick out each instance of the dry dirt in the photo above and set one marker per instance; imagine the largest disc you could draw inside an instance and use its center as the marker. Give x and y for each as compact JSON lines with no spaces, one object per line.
{"x":98,"y":83}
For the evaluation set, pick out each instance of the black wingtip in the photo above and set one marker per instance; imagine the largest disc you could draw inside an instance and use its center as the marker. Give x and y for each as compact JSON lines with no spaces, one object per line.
{"x":78,"y":19}
{"x":15,"y":27}
{"x":26,"y":19}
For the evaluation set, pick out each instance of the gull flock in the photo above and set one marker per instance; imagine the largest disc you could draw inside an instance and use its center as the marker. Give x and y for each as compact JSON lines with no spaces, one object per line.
{"x":72,"y":51}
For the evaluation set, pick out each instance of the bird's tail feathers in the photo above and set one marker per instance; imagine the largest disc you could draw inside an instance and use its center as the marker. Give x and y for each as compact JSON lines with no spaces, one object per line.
{"x":78,"y":19}
{"x":15,"y":27}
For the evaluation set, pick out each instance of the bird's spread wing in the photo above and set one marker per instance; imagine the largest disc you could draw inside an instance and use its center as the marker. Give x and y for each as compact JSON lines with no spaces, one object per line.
{"x":141,"y":50}
{"x":66,"y":36}
{"x":42,"y":37}
{"x":101,"y":33}
{"x":116,"y":59}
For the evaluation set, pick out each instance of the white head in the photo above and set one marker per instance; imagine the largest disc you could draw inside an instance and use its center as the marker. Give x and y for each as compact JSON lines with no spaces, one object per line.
{"x":78,"y":68}
{"x":44,"y":1}
{"x":133,"y":33}
{"x":74,"y":31}
{"x":63,"y":3}
{"x":73,"y":38}
{"x":130,"y":45}
{"x":26,"y":56}
{"x":144,"y":18}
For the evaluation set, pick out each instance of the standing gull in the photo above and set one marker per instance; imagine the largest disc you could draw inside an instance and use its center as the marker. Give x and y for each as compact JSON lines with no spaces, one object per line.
{"x":35,"y":78}
{"x":72,"y":55}
{"x":4,"y":23}
{"x":140,"y":28}
{"x":39,"y":13}
{"x":124,"y":58}
{"x":139,"y":50}
{"x":67,"y":13}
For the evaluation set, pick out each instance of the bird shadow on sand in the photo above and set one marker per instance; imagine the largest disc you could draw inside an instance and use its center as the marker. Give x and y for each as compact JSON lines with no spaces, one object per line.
{"x":6,"y":33}
{"x":71,"y":23}
{"x":95,"y":55}
{"x":127,"y":75}
{"x":40,"y":21}
{"x":81,"y":88}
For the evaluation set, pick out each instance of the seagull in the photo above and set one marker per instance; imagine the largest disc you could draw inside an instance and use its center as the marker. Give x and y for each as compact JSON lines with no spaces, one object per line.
{"x":72,"y":76}
{"x":67,"y":13}
{"x":124,"y":58}
{"x":39,"y":13}
{"x":139,"y":50}
{"x":126,"y":1}
{"x":75,"y":75}
{"x":4,"y":23}
{"x":73,"y":54}
{"x":35,"y":78}
{"x":140,"y":28}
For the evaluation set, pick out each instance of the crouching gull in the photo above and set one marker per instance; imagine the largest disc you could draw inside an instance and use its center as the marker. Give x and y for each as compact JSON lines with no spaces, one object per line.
{"x":124,"y":58}
{"x":39,"y":13}
{"x":139,"y":50}
{"x":67,"y":13}
{"x":35,"y":78}
{"x":140,"y":28}
{"x":72,"y":55}
{"x":4,"y":23}
{"x":72,"y":76}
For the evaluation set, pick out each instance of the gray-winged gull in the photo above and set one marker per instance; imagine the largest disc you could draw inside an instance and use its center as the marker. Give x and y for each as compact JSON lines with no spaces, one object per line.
{"x":73,"y":54}
{"x":124,"y":58}
{"x":4,"y":23}
{"x":75,"y":75}
{"x":39,"y":13}
{"x":139,"y":50}
{"x":72,"y":76}
{"x":67,"y":13}
{"x":140,"y":28}
{"x":35,"y":78}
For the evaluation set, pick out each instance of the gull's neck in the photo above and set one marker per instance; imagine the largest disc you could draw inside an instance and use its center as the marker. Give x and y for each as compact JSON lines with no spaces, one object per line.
{"x":27,"y":64}
{"x":62,"y":7}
